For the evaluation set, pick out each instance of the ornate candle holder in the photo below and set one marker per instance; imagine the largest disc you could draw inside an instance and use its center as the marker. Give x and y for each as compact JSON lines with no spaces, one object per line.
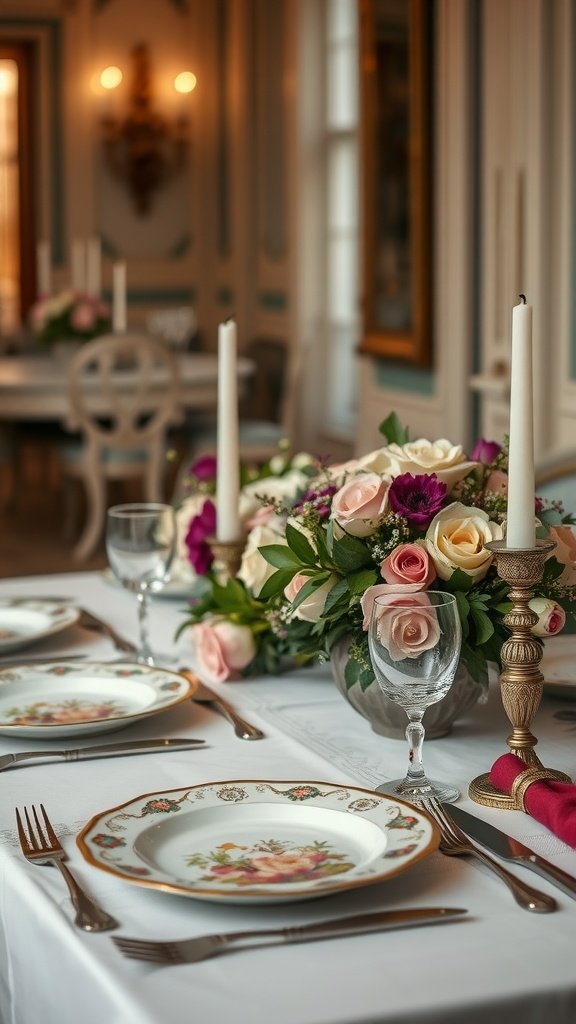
{"x":227,"y":557}
{"x":521,"y":679}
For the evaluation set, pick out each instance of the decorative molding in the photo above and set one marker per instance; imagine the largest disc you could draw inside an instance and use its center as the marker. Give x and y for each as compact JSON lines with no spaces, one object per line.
{"x":276,"y":301}
{"x":147,"y":296}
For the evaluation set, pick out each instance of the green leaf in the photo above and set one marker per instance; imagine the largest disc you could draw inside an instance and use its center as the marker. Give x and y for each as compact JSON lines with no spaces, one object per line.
{"x":358,"y":582}
{"x":349,"y":554}
{"x":463,"y":606}
{"x":339,"y":590}
{"x":482,"y":625}
{"x":393,"y":430}
{"x":280,"y":556}
{"x":300,"y":545}
{"x":459,"y":580}
{"x":309,"y":587}
{"x":276,"y":584}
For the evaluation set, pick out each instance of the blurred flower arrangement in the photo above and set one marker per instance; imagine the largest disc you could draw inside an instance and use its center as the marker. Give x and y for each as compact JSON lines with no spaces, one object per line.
{"x":323,"y":541}
{"x":69,"y":316}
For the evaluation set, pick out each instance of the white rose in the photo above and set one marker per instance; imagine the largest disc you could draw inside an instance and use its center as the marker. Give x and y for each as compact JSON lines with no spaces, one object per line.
{"x":273,"y":488}
{"x":456,"y":539}
{"x":441,"y":457}
{"x":377,"y":461}
{"x":254,"y":569}
{"x":312,"y":607}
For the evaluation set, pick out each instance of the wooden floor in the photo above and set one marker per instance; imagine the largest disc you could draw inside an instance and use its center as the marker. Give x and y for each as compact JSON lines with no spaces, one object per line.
{"x":34,"y":536}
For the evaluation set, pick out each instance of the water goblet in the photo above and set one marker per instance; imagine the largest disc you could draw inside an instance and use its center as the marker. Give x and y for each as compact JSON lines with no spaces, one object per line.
{"x":414,"y":642}
{"x":140,"y":544}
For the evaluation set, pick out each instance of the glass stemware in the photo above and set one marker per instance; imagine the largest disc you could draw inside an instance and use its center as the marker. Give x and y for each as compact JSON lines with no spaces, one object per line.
{"x":414,"y":642}
{"x":140,"y":544}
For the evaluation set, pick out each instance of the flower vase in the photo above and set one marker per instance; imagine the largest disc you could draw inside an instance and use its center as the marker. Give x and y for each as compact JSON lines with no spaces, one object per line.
{"x":390,"y":720}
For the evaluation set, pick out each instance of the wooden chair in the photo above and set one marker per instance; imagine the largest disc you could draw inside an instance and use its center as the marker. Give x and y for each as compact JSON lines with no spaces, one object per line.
{"x":124,"y":394}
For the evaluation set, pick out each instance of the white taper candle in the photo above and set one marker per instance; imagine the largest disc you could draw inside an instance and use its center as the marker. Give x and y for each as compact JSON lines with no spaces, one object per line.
{"x":119,"y":297}
{"x":228,"y":464}
{"x":520,"y":526}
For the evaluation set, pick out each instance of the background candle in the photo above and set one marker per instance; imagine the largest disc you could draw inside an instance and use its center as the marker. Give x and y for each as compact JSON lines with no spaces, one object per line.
{"x":520,"y":528}
{"x":43,"y":268}
{"x":228,"y":464}
{"x":119,"y":297}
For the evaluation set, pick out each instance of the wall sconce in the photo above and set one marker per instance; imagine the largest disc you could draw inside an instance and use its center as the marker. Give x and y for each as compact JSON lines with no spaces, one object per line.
{"x":144,"y":149}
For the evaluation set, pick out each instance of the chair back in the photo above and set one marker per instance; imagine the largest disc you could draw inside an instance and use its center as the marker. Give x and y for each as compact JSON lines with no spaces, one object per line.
{"x":556,"y":477}
{"x":123,"y":391}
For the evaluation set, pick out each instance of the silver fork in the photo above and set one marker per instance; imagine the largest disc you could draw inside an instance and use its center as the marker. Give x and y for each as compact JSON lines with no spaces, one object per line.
{"x":91,"y":622}
{"x":454,"y":843}
{"x":192,"y":951}
{"x":40,"y":845}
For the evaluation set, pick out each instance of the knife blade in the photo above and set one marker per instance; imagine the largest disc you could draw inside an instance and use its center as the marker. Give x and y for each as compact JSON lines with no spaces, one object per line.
{"x":204,"y":695}
{"x":507,"y":848}
{"x":103,"y":750}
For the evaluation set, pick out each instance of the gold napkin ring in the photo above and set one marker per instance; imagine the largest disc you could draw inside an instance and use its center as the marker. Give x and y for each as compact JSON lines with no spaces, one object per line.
{"x":524,"y":780}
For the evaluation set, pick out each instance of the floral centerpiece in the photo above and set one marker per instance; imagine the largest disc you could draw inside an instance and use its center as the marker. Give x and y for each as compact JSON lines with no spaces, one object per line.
{"x":69,"y":316}
{"x":407,"y":516}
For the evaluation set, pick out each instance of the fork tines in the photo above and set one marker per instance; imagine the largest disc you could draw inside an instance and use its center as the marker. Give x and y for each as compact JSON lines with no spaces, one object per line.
{"x":35,"y":840}
{"x":153,"y":952}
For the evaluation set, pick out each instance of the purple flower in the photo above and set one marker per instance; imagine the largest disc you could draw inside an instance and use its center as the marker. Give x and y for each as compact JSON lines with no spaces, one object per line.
{"x":417,"y":498}
{"x":319,"y":500}
{"x":201,"y":527}
{"x":204,"y":468}
{"x":485,"y":451}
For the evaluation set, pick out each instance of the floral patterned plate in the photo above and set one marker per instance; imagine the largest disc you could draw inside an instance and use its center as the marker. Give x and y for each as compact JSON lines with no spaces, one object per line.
{"x":258,"y":842}
{"x":25,"y":622}
{"x":56,"y":699}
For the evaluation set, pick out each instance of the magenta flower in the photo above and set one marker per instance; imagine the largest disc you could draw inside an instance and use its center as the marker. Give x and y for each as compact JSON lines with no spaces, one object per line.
{"x":204,"y":468}
{"x":319,"y":500}
{"x":485,"y":451}
{"x":201,"y":527}
{"x":417,"y":498}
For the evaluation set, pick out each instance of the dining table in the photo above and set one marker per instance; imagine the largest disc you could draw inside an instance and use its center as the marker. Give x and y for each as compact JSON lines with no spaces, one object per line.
{"x":496,"y":962}
{"x":33,"y":386}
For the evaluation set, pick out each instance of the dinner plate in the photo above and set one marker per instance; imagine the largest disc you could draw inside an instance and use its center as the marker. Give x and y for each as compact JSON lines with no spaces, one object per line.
{"x":174,"y":588}
{"x":24,"y":622}
{"x":55,"y":699}
{"x":558,"y":666}
{"x":258,"y":842}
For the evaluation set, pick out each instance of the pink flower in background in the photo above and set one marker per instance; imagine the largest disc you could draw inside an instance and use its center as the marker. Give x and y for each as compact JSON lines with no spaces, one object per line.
{"x":407,"y":626}
{"x":485,"y":451}
{"x":201,"y":527}
{"x":83,"y":316}
{"x":358,"y":505}
{"x":409,"y":563}
{"x":417,"y":498}
{"x":222,"y":648}
{"x":204,"y":468}
{"x":497,"y":482}
{"x":565,"y":552}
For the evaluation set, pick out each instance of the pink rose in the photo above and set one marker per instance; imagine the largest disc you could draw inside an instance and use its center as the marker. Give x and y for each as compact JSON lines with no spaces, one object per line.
{"x":370,"y":595}
{"x":222,"y":648}
{"x":404,"y":631}
{"x":360,"y":503}
{"x":83,"y":318}
{"x":312,"y":607}
{"x":408,"y":563}
{"x":497,"y":482}
{"x":551,"y":617}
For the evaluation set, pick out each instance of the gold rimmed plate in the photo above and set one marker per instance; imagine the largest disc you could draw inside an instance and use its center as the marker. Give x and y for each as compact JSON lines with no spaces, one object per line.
{"x":56,"y":699}
{"x":23,"y":623}
{"x":249,"y":841}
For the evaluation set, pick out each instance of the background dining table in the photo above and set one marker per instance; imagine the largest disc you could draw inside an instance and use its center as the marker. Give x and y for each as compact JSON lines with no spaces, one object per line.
{"x":34,"y":386}
{"x":499,"y":963}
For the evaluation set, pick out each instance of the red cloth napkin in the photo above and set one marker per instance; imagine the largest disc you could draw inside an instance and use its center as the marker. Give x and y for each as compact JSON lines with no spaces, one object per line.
{"x":551,"y":803}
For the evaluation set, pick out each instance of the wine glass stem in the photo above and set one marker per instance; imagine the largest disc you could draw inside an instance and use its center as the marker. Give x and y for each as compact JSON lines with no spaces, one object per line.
{"x":415,"y":737}
{"x":145,"y":654}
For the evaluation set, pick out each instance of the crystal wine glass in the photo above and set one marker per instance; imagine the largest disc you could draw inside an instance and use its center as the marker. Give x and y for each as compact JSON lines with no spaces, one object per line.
{"x":414,"y":642}
{"x":140,"y":544}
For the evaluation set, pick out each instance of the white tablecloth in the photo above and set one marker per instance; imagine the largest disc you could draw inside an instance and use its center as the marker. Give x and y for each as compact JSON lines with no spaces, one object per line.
{"x":501,"y":963}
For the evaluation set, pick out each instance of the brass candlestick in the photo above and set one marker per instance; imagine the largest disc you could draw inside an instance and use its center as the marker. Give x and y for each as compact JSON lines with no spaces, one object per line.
{"x":521,"y":679}
{"x":227,"y":557}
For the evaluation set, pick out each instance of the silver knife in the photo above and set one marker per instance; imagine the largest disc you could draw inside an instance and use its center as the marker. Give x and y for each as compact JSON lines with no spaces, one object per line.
{"x":105,"y":750}
{"x":507,"y":848}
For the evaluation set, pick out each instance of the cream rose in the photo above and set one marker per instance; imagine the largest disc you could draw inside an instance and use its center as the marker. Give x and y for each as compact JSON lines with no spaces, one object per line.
{"x":254,"y":569}
{"x":406,"y":632}
{"x":456,"y":539}
{"x":408,"y":563}
{"x":565,"y":552}
{"x":551,"y":617}
{"x":377,"y":461}
{"x":359,"y":504}
{"x":441,"y":457}
{"x":313,"y":606}
{"x":222,"y":648}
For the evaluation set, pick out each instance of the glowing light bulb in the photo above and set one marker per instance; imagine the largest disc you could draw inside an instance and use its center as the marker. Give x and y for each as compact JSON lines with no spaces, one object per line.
{"x":185,"y":82}
{"x":111,"y":77}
